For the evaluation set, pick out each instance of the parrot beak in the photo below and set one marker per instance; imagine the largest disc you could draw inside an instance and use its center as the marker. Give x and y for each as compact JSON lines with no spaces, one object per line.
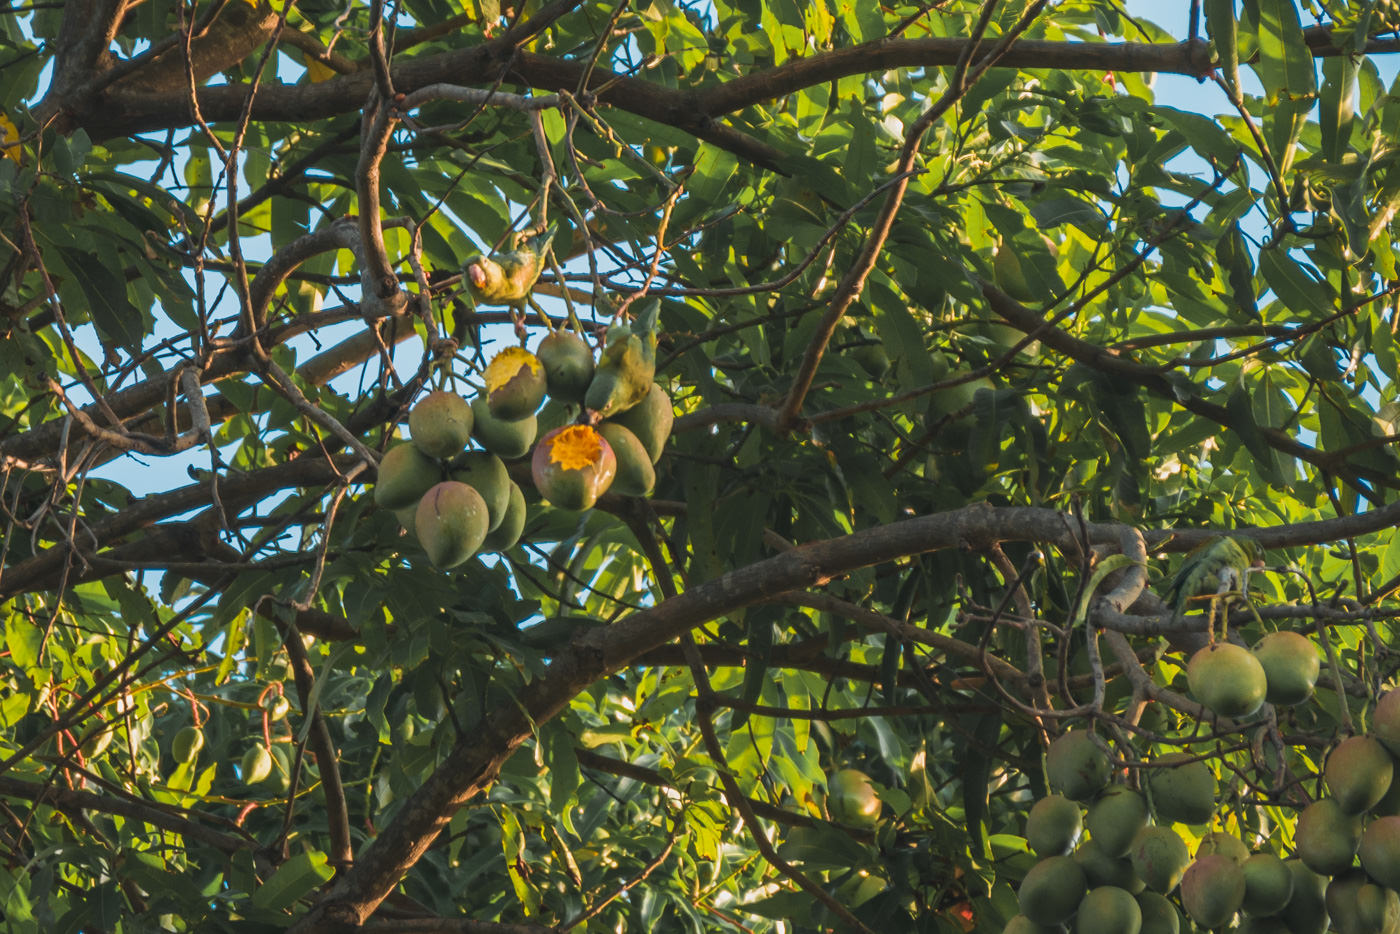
{"x":477,"y":275}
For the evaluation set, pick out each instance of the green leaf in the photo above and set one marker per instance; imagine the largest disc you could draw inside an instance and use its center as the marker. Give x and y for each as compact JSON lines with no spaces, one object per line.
{"x":1294,"y":287}
{"x":293,"y":880}
{"x":1223,"y":29}
{"x":1337,"y":106}
{"x":116,"y":319}
{"x":1203,"y":134}
{"x":1390,"y":558}
{"x":1285,"y":66}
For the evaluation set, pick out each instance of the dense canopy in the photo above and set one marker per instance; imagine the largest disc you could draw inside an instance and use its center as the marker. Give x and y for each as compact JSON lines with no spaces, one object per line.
{"x":1016,"y":401}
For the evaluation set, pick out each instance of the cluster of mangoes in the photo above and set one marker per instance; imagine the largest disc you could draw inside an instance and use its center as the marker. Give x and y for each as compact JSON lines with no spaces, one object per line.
{"x":1118,"y":879}
{"x":457,"y":502}
{"x":1233,"y":681}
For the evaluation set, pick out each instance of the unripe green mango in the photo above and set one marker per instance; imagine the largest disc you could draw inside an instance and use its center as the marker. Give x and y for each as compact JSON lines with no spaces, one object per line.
{"x":506,"y":534}
{"x":1218,"y":841}
{"x":1102,"y":869}
{"x":1291,"y":666}
{"x":1182,"y":790}
{"x":1159,"y":916}
{"x":1227,"y":679}
{"x":1115,"y":819}
{"x":507,"y":439}
{"x":1268,"y":884}
{"x":441,"y":424}
{"x":1326,"y":837}
{"x":1380,"y":850}
{"x":1358,"y":773}
{"x":635,"y":474}
{"x":484,"y":472}
{"x":405,"y":474}
{"x":515,"y":384}
{"x":568,"y":365}
{"x":650,"y":420}
{"x":1306,"y":911}
{"x":452,"y":520}
{"x":1385,"y":724}
{"x":1159,"y":857}
{"x":1076,"y":765}
{"x":1053,"y":826}
{"x":1212,"y":890}
{"x":1051,"y":891}
{"x":1108,"y":910}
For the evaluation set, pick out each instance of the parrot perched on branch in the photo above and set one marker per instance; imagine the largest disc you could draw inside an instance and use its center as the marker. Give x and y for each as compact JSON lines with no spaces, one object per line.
{"x":506,"y":279}
{"x":627,"y":365}
{"x":1216,"y":567}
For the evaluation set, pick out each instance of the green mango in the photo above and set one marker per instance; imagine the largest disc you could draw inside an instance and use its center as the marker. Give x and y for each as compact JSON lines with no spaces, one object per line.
{"x":507,"y":439}
{"x":405,"y":474}
{"x":484,"y":472}
{"x":635,"y":474}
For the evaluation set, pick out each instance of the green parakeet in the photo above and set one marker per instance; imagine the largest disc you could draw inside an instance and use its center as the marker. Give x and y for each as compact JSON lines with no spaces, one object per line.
{"x":1216,"y":566}
{"x":627,"y":365}
{"x":506,"y":279}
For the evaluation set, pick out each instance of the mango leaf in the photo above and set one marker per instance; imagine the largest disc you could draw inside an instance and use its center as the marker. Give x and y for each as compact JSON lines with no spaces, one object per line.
{"x":293,"y":880}
{"x":1293,"y":286}
{"x":1285,"y":65}
{"x":1337,"y":106}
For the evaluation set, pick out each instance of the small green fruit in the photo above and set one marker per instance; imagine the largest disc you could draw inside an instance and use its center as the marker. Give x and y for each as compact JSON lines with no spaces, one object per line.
{"x":1102,"y":869}
{"x":1182,"y":790}
{"x":650,"y":420}
{"x":1357,"y":905}
{"x":1053,"y":826}
{"x":1385,"y":724}
{"x":1227,"y":679}
{"x":1108,"y":910}
{"x":1380,"y":851}
{"x":405,"y":474}
{"x":568,"y":365}
{"x":256,"y":765}
{"x":1159,"y":916}
{"x":515,"y":384}
{"x":97,"y":743}
{"x":1217,"y":841}
{"x":1050,"y":893}
{"x":485,"y":473}
{"x":281,"y":774}
{"x":277,"y":706}
{"x":1115,"y":819}
{"x":1358,"y":773}
{"x":1212,"y":890}
{"x":187,"y":744}
{"x":1291,"y":667}
{"x":851,"y":799}
{"x":407,"y":517}
{"x":441,"y":424}
{"x":1077,"y":765}
{"x":452,"y":521}
{"x":1326,"y":837}
{"x":1306,"y":911}
{"x":635,"y":474}
{"x":1268,"y":884}
{"x":502,"y":438}
{"x":1159,"y":857}
{"x":506,"y":534}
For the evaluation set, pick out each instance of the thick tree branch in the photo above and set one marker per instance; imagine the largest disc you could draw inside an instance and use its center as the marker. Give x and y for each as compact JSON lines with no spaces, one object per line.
{"x":71,"y":800}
